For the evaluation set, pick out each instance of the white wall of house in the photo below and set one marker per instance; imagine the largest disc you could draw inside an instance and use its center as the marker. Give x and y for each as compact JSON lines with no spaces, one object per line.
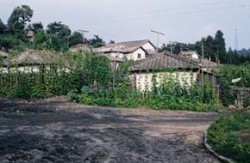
{"x":28,"y":69}
{"x":139,"y":54}
{"x":143,"y":81}
{"x":116,"y":55}
{"x":195,"y":56}
{"x":148,"y":46}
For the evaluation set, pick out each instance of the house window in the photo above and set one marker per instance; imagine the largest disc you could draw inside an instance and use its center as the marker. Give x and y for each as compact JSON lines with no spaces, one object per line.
{"x":139,"y":55}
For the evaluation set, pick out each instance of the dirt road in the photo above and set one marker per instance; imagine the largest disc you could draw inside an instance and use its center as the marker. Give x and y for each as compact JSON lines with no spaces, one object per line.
{"x":54,"y":131}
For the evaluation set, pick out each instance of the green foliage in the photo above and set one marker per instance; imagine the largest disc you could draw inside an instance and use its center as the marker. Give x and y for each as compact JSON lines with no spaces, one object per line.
{"x":8,"y":41}
{"x":214,"y":49}
{"x":220,"y":47}
{"x":13,"y":35}
{"x":98,"y":72}
{"x":223,"y":136}
{"x":75,"y":38}
{"x":35,"y":27}
{"x":18,"y":19}
{"x":40,"y":41}
{"x":51,"y":80}
{"x":232,"y":72}
{"x":96,"y":42}
{"x":2,"y":27}
{"x":227,"y":73}
{"x":58,"y":36}
{"x":58,"y":29}
{"x":170,"y":95}
{"x":173,"y":95}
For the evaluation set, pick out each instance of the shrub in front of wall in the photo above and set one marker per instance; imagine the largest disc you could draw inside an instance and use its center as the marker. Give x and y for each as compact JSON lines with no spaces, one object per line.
{"x":223,"y":136}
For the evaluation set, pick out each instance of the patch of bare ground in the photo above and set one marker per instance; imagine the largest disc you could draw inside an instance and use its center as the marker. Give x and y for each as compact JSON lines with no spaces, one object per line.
{"x":48,"y":131}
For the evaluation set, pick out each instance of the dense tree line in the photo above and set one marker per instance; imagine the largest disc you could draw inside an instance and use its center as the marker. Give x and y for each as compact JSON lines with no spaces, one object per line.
{"x":214,"y":48}
{"x":19,"y":33}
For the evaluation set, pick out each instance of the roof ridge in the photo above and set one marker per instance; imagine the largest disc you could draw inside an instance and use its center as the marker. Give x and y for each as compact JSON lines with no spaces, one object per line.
{"x":182,"y":58}
{"x":147,"y":60}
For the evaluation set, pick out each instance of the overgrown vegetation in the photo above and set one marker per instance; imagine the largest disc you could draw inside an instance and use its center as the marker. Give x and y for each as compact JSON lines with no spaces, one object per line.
{"x":227,"y":74}
{"x":233,"y":72}
{"x":56,"y":78}
{"x":225,"y":136}
{"x":169,"y":95}
{"x":91,"y":80}
{"x":19,"y":33}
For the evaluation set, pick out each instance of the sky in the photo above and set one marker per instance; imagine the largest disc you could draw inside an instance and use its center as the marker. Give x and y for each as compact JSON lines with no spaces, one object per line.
{"x":184,"y":21}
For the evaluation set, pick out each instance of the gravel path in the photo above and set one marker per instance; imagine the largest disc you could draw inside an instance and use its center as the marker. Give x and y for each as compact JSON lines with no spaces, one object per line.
{"x":57,"y":131}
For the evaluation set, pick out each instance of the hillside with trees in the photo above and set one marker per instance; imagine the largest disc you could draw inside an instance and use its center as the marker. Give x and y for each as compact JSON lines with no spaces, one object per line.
{"x":214,"y":49}
{"x":20,"y":33}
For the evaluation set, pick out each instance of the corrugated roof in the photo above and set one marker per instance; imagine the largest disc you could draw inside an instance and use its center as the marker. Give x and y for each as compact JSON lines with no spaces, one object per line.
{"x":164,"y":61}
{"x":123,"y":47}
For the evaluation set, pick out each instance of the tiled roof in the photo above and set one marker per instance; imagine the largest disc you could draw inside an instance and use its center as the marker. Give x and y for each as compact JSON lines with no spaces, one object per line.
{"x":164,"y":61}
{"x":123,"y":47}
{"x":113,"y":59}
{"x":80,"y":47}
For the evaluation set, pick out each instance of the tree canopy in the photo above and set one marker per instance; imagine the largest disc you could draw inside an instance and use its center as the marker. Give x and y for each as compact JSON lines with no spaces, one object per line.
{"x":58,"y":36}
{"x":76,"y":38}
{"x":19,"y":18}
{"x":214,"y":49}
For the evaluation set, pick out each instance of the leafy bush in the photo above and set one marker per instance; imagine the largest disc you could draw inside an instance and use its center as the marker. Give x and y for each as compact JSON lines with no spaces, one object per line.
{"x":227,"y":73}
{"x":53,"y":80}
{"x":223,"y":136}
{"x":170,"y":95}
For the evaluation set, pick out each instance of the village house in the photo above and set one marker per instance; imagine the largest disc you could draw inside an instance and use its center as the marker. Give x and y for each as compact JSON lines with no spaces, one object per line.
{"x":30,"y":61}
{"x":208,"y":67}
{"x":162,"y":65}
{"x":80,"y":48}
{"x":189,"y":55}
{"x":131,"y":50}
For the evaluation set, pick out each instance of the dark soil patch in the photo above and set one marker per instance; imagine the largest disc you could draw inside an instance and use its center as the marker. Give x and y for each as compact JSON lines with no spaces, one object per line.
{"x":56,"y":132}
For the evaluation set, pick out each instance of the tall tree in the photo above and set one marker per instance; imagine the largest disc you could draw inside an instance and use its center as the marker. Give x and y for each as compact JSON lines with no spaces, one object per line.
{"x":35,"y":27}
{"x":76,"y":38}
{"x":58,"y":36}
{"x":41,"y":38}
{"x":18,"y":19}
{"x":96,"y":42}
{"x":59,"y":29}
{"x":209,"y":48}
{"x":2,"y":27}
{"x":220,"y":47}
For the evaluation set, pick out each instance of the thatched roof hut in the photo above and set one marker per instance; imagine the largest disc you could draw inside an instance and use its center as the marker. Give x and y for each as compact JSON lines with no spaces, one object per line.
{"x":35,"y":57}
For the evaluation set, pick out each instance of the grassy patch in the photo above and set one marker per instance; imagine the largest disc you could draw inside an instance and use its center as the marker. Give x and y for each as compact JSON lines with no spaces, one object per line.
{"x":230,"y":136}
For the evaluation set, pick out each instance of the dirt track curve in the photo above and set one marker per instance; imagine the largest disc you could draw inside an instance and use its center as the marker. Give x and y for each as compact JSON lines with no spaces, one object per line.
{"x":57,"y":131}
